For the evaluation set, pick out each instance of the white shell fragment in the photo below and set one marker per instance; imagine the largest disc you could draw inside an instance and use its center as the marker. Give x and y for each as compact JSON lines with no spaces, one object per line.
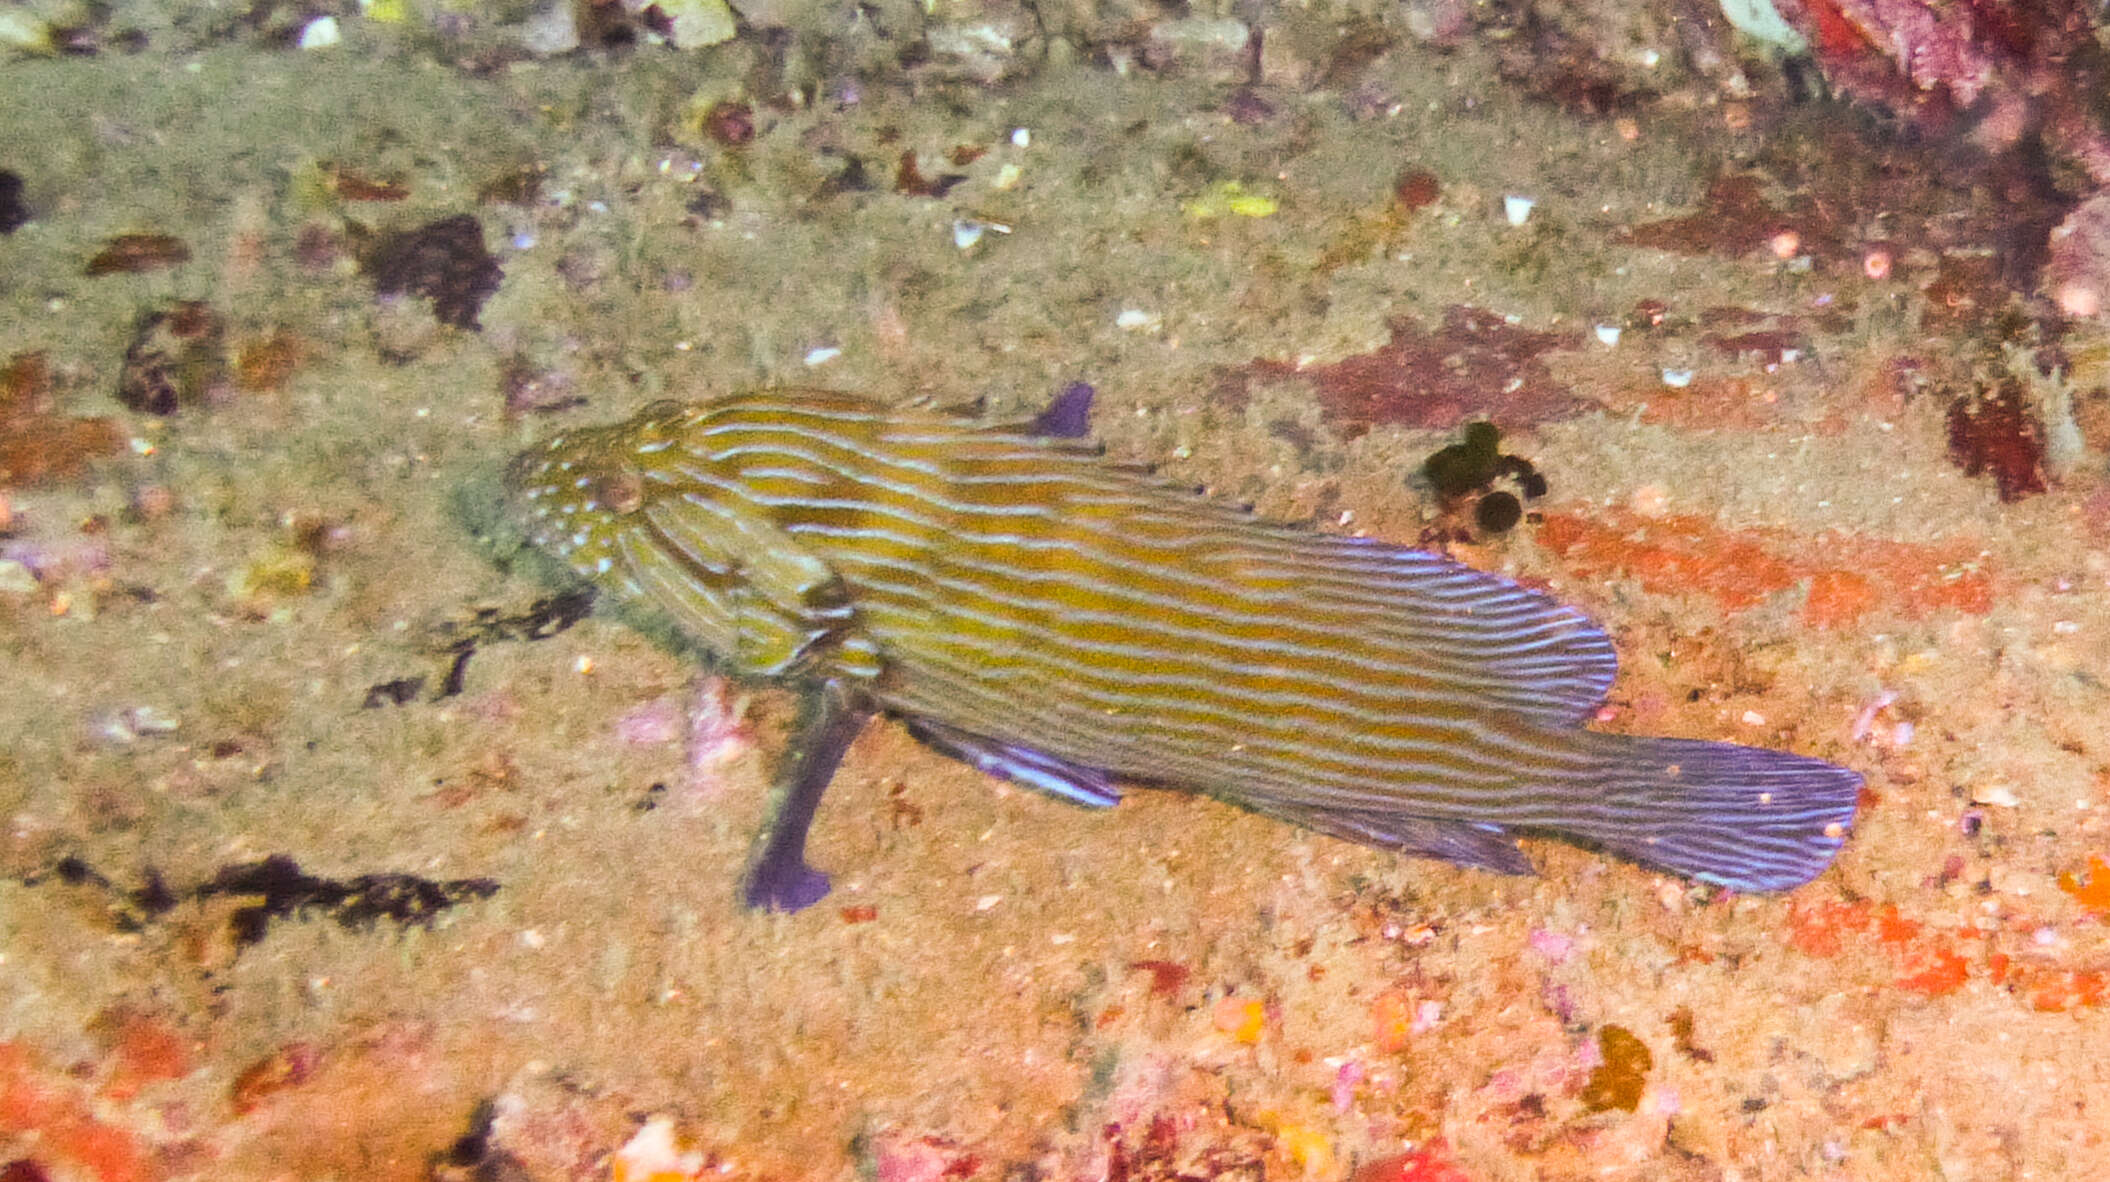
{"x":321,"y":33}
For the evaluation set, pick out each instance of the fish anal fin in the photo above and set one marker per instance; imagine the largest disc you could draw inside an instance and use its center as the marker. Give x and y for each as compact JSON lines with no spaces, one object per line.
{"x":1461,"y":843}
{"x":1520,"y":648}
{"x":1019,"y":764}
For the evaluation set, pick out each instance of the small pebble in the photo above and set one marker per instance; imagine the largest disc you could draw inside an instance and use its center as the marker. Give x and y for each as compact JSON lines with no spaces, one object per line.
{"x":321,"y":33}
{"x":16,"y":579}
{"x":1994,"y":793}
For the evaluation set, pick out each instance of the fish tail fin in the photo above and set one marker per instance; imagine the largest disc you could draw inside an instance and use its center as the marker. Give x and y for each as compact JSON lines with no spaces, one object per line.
{"x":1742,"y":817}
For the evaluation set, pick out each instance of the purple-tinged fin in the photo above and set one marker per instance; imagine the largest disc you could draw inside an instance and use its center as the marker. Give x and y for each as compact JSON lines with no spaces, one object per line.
{"x":1740,"y":817}
{"x":1069,"y":416}
{"x":780,"y":879}
{"x":1519,"y":648}
{"x":1461,"y":843}
{"x":1020,"y":765}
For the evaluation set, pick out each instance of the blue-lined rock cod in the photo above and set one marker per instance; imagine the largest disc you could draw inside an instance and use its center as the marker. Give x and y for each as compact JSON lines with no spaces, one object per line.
{"x":1072,"y":624}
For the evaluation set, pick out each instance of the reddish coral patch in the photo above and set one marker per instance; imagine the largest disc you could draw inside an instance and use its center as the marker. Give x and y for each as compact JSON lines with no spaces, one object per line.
{"x":143,"y":1050}
{"x":1839,"y":598}
{"x":1709,"y":403}
{"x":1430,"y":1163}
{"x":2057,"y":992}
{"x":1476,"y":365}
{"x":1936,"y":971}
{"x":1734,"y":218}
{"x":1847,"y":575}
{"x":1671,"y":555}
{"x":2091,"y":888}
{"x":1415,"y":188}
{"x":1821,"y":928}
{"x":1994,"y":431}
{"x":1166,"y":976}
{"x":40,"y":1102}
{"x":127,"y":253}
{"x":36,"y":444}
{"x":1918,"y":580}
{"x":1923,"y":960}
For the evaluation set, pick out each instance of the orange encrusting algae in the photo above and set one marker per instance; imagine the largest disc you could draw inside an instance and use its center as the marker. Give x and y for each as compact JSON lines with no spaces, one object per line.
{"x":1846,"y":577}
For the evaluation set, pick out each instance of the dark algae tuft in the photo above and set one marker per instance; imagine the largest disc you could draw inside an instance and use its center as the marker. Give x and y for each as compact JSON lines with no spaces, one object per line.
{"x":1993,"y":431}
{"x":276,"y":888}
{"x":1467,"y":465}
{"x":445,"y":261}
{"x":1465,"y":472}
{"x":14,"y":210}
{"x":1617,"y":1082}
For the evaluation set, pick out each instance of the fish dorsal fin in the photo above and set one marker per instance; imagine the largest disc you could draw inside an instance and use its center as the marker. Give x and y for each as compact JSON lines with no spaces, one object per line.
{"x":1521,"y":648}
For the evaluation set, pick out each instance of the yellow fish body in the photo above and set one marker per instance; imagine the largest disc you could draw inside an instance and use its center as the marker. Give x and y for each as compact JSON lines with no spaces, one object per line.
{"x":1070,"y":623}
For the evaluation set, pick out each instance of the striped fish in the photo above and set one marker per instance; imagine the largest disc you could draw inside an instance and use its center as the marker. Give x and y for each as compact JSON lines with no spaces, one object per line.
{"x":1070,"y":624}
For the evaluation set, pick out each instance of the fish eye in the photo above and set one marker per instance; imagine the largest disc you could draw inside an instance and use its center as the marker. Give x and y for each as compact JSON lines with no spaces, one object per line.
{"x":621,"y":492}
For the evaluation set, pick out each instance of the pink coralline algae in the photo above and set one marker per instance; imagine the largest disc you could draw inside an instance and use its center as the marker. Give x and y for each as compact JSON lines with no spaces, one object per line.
{"x":1933,"y":48}
{"x":1476,"y":364}
{"x":2013,"y":67}
{"x":2077,"y":265}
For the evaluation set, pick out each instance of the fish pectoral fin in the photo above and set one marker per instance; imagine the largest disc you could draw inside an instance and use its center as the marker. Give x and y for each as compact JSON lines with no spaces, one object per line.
{"x":783,"y":607}
{"x":1019,"y":764}
{"x":779,"y":637}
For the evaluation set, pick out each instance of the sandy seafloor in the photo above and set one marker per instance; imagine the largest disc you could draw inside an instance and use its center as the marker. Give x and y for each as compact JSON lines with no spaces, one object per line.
{"x":1002,"y":985}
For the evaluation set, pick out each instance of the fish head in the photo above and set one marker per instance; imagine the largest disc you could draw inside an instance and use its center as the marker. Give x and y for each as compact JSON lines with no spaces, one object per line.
{"x":648,"y":514}
{"x":574,"y":491}
{"x":593,"y":499}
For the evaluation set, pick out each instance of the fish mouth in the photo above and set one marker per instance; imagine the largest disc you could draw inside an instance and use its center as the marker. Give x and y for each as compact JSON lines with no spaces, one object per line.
{"x":522,"y":470}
